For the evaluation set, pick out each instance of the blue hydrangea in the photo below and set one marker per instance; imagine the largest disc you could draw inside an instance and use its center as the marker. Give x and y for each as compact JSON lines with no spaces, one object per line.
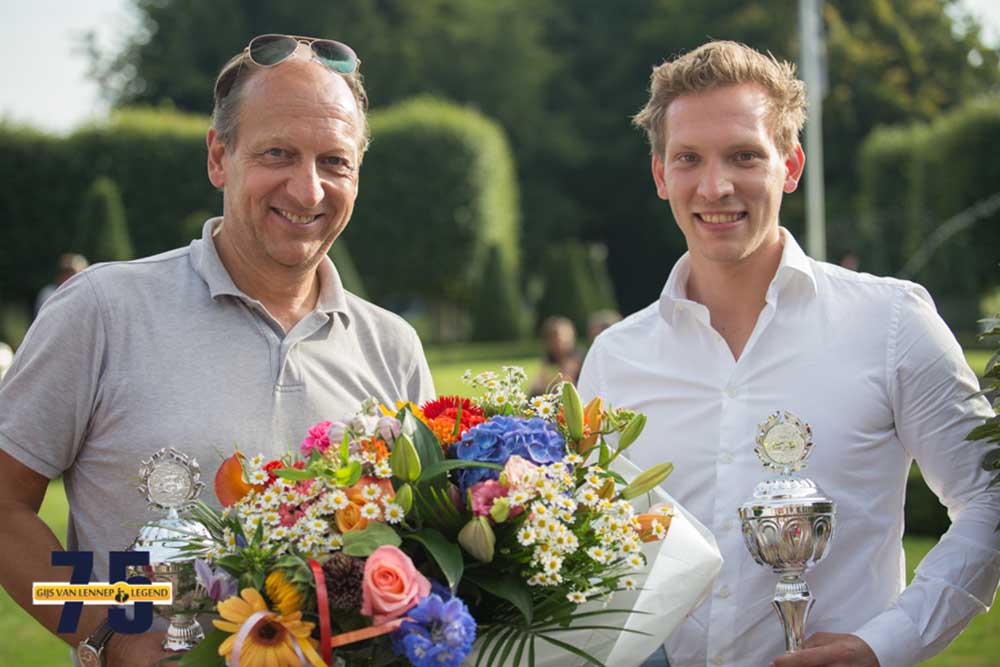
{"x":500,"y":438}
{"x":436,"y":633}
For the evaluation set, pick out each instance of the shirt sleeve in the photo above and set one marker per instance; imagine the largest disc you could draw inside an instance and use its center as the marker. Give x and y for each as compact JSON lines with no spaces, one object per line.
{"x":420,"y":384}
{"x":49,"y":394}
{"x":589,"y":384}
{"x":930,"y":386}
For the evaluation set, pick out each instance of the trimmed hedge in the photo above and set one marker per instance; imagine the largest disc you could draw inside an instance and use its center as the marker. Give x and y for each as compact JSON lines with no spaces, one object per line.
{"x":916,"y":178}
{"x":577,"y":283}
{"x":102,"y":222}
{"x":438,"y":190}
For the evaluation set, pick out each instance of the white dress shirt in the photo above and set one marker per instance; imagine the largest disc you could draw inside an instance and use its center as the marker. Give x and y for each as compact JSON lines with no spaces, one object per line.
{"x":876,"y":372}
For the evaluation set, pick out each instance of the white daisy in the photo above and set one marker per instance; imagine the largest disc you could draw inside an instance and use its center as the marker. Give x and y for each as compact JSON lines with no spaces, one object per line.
{"x":371,"y":511}
{"x":576,"y":597}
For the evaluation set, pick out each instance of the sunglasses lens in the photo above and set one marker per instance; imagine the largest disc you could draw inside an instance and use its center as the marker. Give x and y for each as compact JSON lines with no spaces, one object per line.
{"x":270,"y":50}
{"x":335,"y":55}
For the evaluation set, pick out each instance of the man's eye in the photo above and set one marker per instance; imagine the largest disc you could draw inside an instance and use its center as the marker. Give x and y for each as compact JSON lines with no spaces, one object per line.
{"x":746,"y":156}
{"x":275,"y":152}
{"x":687,"y":157}
{"x":334,"y":161}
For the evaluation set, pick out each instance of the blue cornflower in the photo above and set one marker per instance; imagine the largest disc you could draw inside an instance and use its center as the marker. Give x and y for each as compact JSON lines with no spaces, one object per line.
{"x":500,"y":438}
{"x":436,"y":633}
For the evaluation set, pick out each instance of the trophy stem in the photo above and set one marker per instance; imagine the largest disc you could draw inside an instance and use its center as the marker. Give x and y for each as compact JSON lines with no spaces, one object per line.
{"x":183,"y":634}
{"x":792,"y":602}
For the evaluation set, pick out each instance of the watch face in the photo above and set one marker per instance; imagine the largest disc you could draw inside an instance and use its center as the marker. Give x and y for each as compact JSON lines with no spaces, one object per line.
{"x":88,"y":656}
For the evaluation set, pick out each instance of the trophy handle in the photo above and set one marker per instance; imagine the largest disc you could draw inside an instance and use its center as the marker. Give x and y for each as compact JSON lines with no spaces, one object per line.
{"x":792,"y":602}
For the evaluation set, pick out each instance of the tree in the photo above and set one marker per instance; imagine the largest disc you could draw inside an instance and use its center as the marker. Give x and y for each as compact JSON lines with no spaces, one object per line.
{"x":563,"y":78}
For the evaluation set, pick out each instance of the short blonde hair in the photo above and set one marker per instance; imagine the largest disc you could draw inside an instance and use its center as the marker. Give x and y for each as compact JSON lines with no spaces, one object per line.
{"x":719,"y":64}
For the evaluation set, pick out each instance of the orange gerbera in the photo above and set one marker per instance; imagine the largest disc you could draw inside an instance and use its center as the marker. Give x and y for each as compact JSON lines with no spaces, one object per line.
{"x":272,"y":639}
{"x":375,"y":446}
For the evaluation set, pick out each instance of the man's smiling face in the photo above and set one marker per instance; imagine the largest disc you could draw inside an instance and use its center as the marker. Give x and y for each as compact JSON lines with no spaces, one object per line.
{"x":291,"y":176}
{"x":723,"y":174}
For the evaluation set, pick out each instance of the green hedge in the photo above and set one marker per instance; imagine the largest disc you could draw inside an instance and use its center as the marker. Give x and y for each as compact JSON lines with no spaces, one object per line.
{"x":438,"y":190}
{"x":577,"y":283}
{"x":913,"y":180}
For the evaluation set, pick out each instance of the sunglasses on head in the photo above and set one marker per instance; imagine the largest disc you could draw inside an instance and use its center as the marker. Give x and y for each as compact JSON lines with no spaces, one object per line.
{"x":271,"y":50}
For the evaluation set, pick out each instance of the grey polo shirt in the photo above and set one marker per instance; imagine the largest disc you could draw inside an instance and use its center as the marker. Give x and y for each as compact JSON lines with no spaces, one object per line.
{"x":129,"y":357}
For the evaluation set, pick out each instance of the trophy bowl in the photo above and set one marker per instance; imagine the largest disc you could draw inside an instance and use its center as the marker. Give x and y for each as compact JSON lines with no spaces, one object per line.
{"x":171,"y":482}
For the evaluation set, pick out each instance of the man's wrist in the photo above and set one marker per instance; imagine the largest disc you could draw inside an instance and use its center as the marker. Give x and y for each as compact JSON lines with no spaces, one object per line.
{"x":92,"y":651}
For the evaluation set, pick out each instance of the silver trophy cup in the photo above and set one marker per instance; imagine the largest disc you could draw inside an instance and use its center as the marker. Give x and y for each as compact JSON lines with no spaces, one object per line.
{"x":171,"y":482}
{"x":789,"y":522}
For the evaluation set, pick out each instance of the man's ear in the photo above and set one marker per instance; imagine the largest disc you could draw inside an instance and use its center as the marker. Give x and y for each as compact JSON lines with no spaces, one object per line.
{"x":659,"y":177}
{"x":216,"y":151}
{"x":794,"y":164}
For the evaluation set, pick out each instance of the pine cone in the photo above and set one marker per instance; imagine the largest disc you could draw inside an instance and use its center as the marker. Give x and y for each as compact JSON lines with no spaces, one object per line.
{"x":344,"y":575}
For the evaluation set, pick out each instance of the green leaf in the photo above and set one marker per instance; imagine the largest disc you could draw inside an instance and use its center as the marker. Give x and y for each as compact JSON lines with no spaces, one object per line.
{"x":447,"y":465}
{"x":361,"y":543}
{"x":447,"y":555}
{"x":349,"y":475}
{"x":293,"y":474}
{"x":991,"y":460}
{"x":506,"y":587}
{"x":982,"y":431}
{"x":206,"y":653}
{"x":427,"y":445}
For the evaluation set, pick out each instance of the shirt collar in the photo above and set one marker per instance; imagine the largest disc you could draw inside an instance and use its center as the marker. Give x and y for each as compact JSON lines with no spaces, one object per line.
{"x":207,"y":264}
{"x":794,"y":267}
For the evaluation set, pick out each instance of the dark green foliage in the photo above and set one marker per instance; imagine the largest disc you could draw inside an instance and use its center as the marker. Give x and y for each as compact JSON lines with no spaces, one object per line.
{"x":924,"y":514}
{"x":102,"y":228}
{"x":348,"y":272}
{"x":576,"y":283}
{"x":437,"y":191}
{"x":498,"y":310}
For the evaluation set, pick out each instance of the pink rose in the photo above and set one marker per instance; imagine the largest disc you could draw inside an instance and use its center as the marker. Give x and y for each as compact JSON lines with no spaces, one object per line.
{"x":391,"y":585}
{"x":316,"y":439}
{"x":483,"y":494}
{"x":516,"y":470}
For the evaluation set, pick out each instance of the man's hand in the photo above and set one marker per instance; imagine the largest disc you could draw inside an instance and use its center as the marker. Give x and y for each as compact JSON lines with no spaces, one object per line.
{"x":142,"y":650}
{"x":825,"y":649}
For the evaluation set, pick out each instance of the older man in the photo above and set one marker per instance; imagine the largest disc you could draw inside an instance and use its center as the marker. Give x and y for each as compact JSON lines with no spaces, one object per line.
{"x":747,"y":324}
{"x":246,"y":337}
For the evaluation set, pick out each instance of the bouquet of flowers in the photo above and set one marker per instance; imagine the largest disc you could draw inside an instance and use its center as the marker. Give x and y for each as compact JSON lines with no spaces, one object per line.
{"x":400,"y":535}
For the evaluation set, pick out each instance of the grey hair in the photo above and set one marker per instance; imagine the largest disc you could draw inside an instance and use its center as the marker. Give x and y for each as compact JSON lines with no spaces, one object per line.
{"x":230,"y":85}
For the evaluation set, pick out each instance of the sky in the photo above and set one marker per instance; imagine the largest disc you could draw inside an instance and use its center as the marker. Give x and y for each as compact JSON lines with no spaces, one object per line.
{"x":45,"y":82}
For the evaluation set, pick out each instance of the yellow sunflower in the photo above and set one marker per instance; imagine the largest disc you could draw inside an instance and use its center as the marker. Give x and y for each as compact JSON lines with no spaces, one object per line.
{"x":270,"y":643}
{"x":284,"y":594}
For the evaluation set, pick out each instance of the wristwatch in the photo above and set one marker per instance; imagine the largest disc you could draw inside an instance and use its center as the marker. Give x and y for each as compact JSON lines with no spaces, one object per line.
{"x":90,"y":652}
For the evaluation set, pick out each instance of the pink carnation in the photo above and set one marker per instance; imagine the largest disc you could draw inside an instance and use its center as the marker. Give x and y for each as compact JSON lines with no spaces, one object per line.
{"x":483,"y":494}
{"x":316,"y":439}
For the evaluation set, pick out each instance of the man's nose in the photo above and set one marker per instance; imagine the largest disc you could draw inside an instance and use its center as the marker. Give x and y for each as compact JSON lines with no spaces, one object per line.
{"x":715,"y":183}
{"x":306,"y":187}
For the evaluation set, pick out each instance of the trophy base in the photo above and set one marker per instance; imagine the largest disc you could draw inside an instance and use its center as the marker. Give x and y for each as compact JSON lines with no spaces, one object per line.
{"x":792,"y":602}
{"x":183,"y":634}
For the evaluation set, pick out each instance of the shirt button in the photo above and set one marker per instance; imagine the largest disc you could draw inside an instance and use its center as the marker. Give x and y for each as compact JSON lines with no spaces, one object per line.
{"x":724,"y":592}
{"x":731,"y":391}
{"x":717,"y":662}
{"x":728,"y":524}
{"x":726,"y":457}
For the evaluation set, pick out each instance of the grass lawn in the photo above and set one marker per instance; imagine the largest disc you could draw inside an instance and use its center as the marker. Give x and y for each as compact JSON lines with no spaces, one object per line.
{"x":24,"y":642}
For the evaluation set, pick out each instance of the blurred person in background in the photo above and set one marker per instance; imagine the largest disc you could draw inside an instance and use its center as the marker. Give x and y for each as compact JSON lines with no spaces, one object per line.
{"x":245,"y":336}
{"x":747,"y":325}
{"x":561,"y":358}
{"x":600,"y":320}
{"x":68,"y":266}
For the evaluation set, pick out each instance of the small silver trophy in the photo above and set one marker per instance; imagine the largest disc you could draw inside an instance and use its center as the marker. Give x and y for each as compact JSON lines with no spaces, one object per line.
{"x":789,"y":522}
{"x":170,"y":483}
